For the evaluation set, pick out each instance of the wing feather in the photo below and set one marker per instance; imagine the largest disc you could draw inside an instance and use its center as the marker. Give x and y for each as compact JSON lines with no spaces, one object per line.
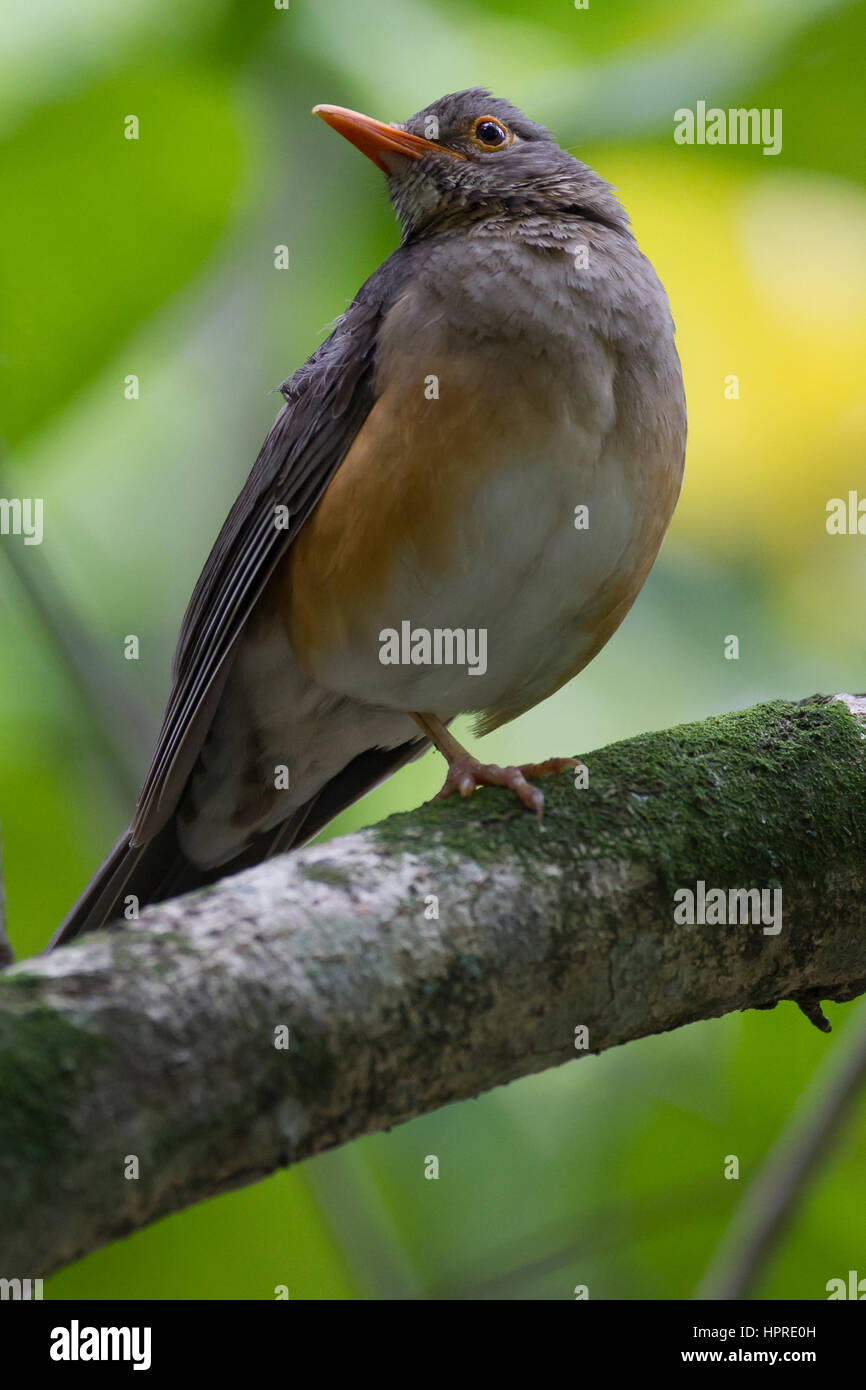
{"x":326,"y":402}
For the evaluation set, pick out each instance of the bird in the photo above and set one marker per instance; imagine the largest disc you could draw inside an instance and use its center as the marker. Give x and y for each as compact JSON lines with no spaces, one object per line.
{"x":460,"y":498}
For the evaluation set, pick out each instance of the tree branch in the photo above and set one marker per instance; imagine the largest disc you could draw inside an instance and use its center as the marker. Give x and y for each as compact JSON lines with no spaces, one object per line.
{"x":151,"y":1048}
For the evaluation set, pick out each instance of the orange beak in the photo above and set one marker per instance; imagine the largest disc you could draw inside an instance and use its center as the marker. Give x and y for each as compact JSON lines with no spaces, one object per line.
{"x":377,"y":140}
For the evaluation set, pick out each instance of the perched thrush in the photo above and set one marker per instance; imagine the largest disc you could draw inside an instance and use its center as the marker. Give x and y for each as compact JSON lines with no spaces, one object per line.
{"x":455,"y":507}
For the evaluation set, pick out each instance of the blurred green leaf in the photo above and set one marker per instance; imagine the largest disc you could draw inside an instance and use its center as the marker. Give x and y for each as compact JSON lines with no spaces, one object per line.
{"x":105,"y":229}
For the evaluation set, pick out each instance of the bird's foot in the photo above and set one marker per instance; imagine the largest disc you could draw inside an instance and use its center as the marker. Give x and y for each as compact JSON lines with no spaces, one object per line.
{"x":465,"y":773}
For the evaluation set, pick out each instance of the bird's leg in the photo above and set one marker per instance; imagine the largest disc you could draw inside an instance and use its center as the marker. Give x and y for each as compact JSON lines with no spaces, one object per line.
{"x":465,"y":773}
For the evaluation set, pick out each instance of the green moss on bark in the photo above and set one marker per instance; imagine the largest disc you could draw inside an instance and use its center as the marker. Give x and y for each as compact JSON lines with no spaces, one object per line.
{"x":43,"y":1060}
{"x":330,"y":874}
{"x":716,"y":795}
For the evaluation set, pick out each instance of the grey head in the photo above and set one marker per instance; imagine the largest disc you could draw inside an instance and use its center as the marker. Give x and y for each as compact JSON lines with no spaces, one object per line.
{"x":471,"y":156}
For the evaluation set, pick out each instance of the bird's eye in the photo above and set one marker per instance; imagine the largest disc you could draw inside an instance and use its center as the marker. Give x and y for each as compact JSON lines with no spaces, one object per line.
{"x":489,"y":134}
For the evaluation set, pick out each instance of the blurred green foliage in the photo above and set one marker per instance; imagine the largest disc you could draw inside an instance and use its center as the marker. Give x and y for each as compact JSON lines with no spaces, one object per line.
{"x":155,"y":258}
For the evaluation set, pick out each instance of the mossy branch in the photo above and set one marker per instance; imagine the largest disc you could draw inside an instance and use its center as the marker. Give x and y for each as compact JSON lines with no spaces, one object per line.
{"x":141,"y":1071}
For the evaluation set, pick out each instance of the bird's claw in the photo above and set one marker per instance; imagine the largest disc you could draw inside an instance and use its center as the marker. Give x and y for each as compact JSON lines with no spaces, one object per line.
{"x":465,"y":773}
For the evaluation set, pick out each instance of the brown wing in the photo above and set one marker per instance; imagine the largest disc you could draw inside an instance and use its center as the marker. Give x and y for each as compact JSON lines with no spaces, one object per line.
{"x":327,"y":401}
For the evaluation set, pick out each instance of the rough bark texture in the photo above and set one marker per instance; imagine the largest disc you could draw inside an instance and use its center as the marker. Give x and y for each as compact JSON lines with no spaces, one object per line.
{"x":158,"y":1039}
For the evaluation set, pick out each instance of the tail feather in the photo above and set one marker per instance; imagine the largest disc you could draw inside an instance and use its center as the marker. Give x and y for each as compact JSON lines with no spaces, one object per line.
{"x":148,"y":873}
{"x":158,"y":870}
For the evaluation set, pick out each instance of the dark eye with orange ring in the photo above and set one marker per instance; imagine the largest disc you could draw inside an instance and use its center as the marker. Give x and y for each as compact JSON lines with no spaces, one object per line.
{"x":489,"y":134}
